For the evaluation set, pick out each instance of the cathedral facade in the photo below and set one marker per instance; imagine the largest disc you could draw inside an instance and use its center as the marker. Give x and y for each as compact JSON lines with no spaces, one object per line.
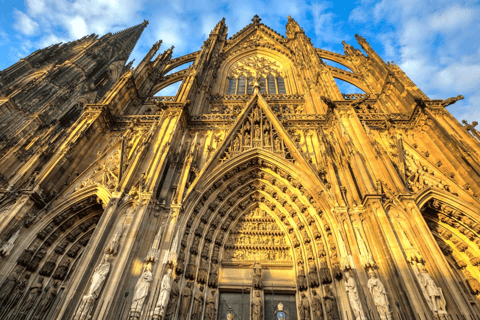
{"x":259,"y":191}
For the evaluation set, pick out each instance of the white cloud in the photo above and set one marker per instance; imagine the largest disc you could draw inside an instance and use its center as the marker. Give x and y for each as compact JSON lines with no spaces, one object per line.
{"x":24,"y":23}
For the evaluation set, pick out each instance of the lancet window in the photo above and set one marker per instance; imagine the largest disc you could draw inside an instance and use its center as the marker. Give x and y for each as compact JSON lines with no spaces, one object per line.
{"x":244,"y":85}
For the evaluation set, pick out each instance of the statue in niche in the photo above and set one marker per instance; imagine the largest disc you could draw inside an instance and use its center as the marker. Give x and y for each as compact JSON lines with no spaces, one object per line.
{"x":203,"y":271}
{"x":379,"y":296}
{"x":61,"y":272}
{"x":267,"y":138}
{"x":301,"y":280}
{"x":27,"y":255}
{"x":246,"y":138}
{"x":165,"y":288}
{"x":325,"y":276}
{"x":257,"y":307}
{"x":8,"y":286}
{"x":197,"y":305}
{"x":432,"y":293}
{"x":278,"y":144}
{"x":313,"y":276}
{"x":257,"y":132}
{"x":236,"y":144}
{"x":213,"y":278}
{"x":317,"y":308}
{"x":185,"y":301}
{"x":472,"y":283}
{"x":304,"y":308}
{"x":51,"y":293}
{"x":141,"y":292}
{"x":353,"y":297}
{"x":330,"y":304}
{"x":174,"y":296}
{"x":180,"y":262}
{"x":33,"y":292}
{"x":210,"y":307}
{"x":98,"y":279}
{"x":256,"y":114}
{"x":257,"y":275}
{"x":191,"y":269}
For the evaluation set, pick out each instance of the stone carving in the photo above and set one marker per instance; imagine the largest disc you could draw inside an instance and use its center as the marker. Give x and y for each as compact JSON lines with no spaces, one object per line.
{"x":172,"y":303}
{"x":353,"y":297}
{"x":202,"y":271}
{"x":51,"y":292}
{"x":257,"y":306}
{"x":96,"y":284}
{"x":450,"y":101}
{"x":61,"y":271}
{"x":8,"y":246}
{"x":141,"y":292}
{"x":185,"y":301}
{"x":210,"y":309}
{"x":325,"y":275}
{"x":256,"y":67}
{"x":9,"y":285}
{"x":165,"y":288}
{"x":257,"y":276}
{"x":330,"y":304}
{"x":304,"y":308}
{"x":301,"y":280}
{"x":313,"y":276}
{"x":317,"y":308}
{"x":197,"y":304}
{"x":472,"y":283}
{"x":379,"y":296}
{"x":33,"y":293}
{"x":213,"y":278}
{"x":191,"y":269}
{"x":432,"y":293}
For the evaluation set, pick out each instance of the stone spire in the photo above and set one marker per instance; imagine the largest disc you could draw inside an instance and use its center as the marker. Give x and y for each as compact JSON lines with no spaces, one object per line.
{"x":124,"y":41}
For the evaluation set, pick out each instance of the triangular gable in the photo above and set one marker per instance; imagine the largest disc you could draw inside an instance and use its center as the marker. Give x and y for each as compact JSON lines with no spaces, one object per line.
{"x":252,"y":36}
{"x":245,"y":135}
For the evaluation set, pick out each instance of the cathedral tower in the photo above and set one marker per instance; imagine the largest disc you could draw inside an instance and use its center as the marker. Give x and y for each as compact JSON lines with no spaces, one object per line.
{"x":259,"y":191}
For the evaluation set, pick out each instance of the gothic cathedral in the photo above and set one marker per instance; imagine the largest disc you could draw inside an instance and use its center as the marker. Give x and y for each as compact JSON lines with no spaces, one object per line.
{"x":259,"y":191}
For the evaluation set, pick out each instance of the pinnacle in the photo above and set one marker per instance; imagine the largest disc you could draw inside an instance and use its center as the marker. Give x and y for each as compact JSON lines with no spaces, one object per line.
{"x":256,"y":19}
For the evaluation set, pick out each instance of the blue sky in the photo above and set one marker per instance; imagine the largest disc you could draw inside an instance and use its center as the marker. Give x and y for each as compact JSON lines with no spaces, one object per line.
{"x":437,"y":43}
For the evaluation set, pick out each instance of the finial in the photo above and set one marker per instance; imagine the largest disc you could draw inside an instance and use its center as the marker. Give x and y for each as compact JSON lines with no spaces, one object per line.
{"x":145,"y":22}
{"x":256,"y":19}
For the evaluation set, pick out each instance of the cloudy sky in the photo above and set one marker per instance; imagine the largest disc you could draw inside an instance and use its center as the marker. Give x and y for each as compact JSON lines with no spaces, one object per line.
{"x":436,"y":42}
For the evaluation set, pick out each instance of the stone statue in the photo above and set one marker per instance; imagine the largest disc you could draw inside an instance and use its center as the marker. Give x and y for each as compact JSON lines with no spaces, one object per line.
{"x":61,"y":272}
{"x":172,"y":304}
{"x":452,"y":100}
{"x":317,"y":308}
{"x":257,"y":308}
{"x":472,"y":283}
{"x":8,"y":286}
{"x":98,"y":279}
{"x":277,"y":144}
{"x":141,"y":292}
{"x":33,"y":292}
{"x":432,"y":293}
{"x":198,"y":305}
{"x":165,"y":288}
{"x":191,"y":269}
{"x":213,"y":278}
{"x":185,"y":302}
{"x":236,"y":144}
{"x":257,"y":132}
{"x":210,"y":307}
{"x":353,"y":298}
{"x":325,"y":275}
{"x":202,"y":272}
{"x":313,"y":276}
{"x":379,"y":296}
{"x":304,"y":308}
{"x":8,"y":246}
{"x":301,"y":280}
{"x":257,"y":275}
{"x":330,"y":304}
{"x":50,"y":295}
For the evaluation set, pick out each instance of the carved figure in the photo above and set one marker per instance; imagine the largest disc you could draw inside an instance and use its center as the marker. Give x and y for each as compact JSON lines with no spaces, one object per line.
{"x":9,"y":285}
{"x":210,"y":307}
{"x":452,"y":100}
{"x":185,"y":301}
{"x":33,"y":292}
{"x":317,"y":308}
{"x":140,"y":292}
{"x":202,"y":272}
{"x":174,"y":296}
{"x":8,"y":246}
{"x":313,"y":276}
{"x":432,"y":293}
{"x":379,"y":295}
{"x":257,"y":275}
{"x":236,"y":144}
{"x":198,"y":304}
{"x":353,"y":298}
{"x":257,"y":132}
{"x":304,"y":308}
{"x":213,"y":278}
{"x":191,"y":269}
{"x":267,"y":138}
{"x":330,"y":304}
{"x":165,"y":288}
{"x":50,"y":295}
{"x":257,"y":307}
{"x":473,"y":283}
{"x":61,"y":272}
{"x":301,"y":280}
